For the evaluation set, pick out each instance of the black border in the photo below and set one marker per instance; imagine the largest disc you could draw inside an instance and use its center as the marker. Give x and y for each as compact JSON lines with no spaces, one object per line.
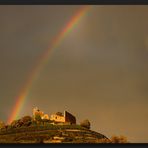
{"x":74,"y":2}
{"x":107,"y":145}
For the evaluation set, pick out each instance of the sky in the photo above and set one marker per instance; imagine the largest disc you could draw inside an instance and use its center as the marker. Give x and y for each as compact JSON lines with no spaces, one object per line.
{"x":98,"y":72}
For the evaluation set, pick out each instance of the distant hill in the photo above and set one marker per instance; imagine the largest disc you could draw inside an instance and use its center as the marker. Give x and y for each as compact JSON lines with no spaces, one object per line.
{"x":51,"y":134}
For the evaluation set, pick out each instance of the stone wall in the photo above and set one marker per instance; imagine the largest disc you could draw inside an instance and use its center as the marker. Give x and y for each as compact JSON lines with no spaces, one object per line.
{"x":57,"y":118}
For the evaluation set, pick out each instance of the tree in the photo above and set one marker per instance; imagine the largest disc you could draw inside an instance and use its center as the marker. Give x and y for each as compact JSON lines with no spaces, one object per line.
{"x":45,"y":121}
{"x":2,"y":124}
{"x":119,"y":139}
{"x":34,"y":123}
{"x":26,"y":120}
{"x":38,"y":118}
{"x":85,"y":124}
{"x":15,"y":123}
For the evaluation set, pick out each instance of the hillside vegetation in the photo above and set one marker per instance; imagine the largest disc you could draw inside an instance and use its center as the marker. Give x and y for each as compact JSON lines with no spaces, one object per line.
{"x":27,"y":130}
{"x":49,"y":134}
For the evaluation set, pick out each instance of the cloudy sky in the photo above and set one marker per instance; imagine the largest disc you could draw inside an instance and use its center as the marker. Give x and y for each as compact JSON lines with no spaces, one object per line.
{"x":98,"y":72}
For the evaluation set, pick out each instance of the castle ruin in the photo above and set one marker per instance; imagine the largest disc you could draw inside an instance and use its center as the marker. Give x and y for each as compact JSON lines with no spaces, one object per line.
{"x":66,"y":118}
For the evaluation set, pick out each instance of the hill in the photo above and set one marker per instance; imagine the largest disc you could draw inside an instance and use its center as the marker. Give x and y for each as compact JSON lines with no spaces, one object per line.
{"x":58,"y":128}
{"x":51,"y":134}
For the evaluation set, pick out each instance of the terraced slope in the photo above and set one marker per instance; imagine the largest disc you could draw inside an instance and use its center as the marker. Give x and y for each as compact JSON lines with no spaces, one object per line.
{"x":51,"y":134}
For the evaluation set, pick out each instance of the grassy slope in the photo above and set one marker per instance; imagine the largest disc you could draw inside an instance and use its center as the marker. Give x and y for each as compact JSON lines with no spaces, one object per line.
{"x":41,"y":133}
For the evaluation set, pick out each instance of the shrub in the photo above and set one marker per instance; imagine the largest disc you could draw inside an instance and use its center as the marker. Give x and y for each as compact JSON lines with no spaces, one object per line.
{"x":33,"y":123}
{"x":15,"y":123}
{"x":25,"y":121}
{"x":85,"y":124}
{"x":38,"y":118}
{"x":2,"y":124}
{"x":9,"y":127}
{"x":119,"y":139}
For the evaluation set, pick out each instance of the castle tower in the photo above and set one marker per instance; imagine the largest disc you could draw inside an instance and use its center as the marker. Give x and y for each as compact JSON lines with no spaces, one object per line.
{"x":37,"y":111}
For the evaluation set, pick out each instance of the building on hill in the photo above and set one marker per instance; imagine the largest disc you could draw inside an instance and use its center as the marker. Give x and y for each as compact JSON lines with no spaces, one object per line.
{"x":45,"y":116}
{"x":59,"y":118}
{"x":36,"y":111}
{"x":69,"y":117}
{"x":63,"y":118}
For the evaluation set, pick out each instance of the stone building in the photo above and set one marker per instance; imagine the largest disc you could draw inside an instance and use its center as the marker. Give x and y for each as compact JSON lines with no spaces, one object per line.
{"x":36,"y":111}
{"x":45,"y":116}
{"x":57,"y":118}
{"x":64,"y":118}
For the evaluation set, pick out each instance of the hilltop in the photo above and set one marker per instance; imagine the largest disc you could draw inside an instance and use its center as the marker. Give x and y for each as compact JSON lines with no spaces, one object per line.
{"x":58,"y":128}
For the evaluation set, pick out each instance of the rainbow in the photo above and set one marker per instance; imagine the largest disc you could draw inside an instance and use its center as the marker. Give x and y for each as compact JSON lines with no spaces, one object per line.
{"x":41,"y":62}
